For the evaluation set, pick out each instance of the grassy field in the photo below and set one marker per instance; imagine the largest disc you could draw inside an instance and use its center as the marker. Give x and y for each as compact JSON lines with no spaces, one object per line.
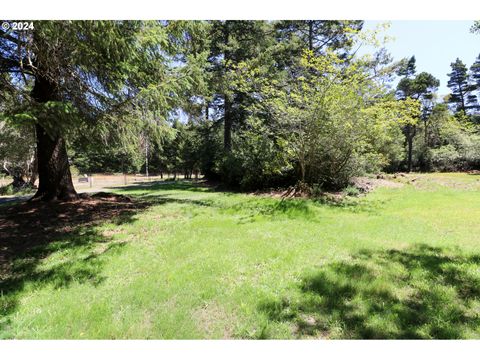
{"x":400,"y":262}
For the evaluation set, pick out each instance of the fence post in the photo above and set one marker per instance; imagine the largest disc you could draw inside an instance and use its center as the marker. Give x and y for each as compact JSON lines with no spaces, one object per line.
{"x":124,"y":179}
{"x":91,"y":181}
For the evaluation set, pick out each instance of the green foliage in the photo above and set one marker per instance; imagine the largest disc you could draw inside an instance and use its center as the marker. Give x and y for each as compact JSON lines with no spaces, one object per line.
{"x":445,"y":158}
{"x":474,"y":98}
{"x":252,"y":103}
{"x":17,"y":150}
{"x":461,"y":97}
{"x":258,"y":160}
{"x":351,"y":191}
{"x":407,"y":68}
{"x":9,"y":189}
{"x":114,"y":84}
{"x":319,"y":35}
{"x":329,"y":117}
{"x":461,"y":153}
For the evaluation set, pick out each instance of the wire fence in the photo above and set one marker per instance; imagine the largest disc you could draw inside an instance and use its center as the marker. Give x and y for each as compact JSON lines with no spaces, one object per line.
{"x":96,"y":182}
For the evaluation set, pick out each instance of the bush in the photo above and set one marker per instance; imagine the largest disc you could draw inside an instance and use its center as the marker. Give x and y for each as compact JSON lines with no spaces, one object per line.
{"x":445,"y":158}
{"x":257,"y":162}
{"x":460,"y":151}
{"x":11,"y":190}
{"x":351,"y":191}
{"x":74,"y":170}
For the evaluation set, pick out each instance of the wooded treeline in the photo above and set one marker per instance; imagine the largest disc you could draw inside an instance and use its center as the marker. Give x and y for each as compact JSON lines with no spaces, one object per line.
{"x":252,"y":104}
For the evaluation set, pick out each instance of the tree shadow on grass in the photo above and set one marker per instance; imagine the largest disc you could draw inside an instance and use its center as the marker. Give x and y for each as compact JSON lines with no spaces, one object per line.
{"x":422,"y":292}
{"x":271,"y":209}
{"x":254,"y":207}
{"x":65,"y":232}
{"x":303,"y":209}
{"x":250,"y":207}
{"x":258,"y":204}
{"x":355,"y":205}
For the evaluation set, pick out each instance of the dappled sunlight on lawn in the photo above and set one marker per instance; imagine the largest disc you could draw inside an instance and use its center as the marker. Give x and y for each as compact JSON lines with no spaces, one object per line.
{"x":418,"y":292}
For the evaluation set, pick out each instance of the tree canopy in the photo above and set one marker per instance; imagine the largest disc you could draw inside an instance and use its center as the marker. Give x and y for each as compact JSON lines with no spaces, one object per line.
{"x":250,"y":103}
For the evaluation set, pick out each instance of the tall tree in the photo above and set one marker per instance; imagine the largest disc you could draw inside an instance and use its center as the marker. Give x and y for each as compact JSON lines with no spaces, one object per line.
{"x":319,"y":35}
{"x":408,"y":68}
{"x":233,"y":42}
{"x":82,"y":72}
{"x":461,"y":97}
{"x":421,"y":88}
{"x":475,"y":85}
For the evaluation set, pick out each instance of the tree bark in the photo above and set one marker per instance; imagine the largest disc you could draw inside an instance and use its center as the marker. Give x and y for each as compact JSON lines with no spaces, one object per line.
{"x":411,"y":132}
{"x":55,"y":179}
{"x":227,"y":114}
{"x":310,"y":35}
{"x":410,"y":148}
{"x":227,"y":131}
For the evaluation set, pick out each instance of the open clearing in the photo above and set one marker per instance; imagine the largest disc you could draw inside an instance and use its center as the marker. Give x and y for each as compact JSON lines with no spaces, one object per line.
{"x":183,"y":261}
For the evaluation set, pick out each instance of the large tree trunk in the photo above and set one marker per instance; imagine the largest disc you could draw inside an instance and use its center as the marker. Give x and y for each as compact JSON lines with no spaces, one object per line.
{"x":227,"y":114}
{"x":410,"y":150}
{"x":227,"y":131}
{"x":55,"y":179}
{"x":411,"y":131}
{"x":310,"y":35}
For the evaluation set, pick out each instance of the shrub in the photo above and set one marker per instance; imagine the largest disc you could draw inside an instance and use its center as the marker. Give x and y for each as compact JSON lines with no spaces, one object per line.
{"x":351,"y":191}
{"x":445,"y":158}
{"x":256,"y":162}
{"x":11,"y":190}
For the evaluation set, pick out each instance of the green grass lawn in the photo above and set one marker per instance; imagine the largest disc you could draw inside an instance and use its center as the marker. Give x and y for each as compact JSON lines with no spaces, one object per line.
{"x":398,"y":263}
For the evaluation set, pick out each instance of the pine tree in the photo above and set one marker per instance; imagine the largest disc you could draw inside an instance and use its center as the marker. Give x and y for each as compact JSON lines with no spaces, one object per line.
{"x":318,"y":35}
{"x":475,"y":85}
{"x":233,"y":43}
{"x":408,"y":68}
{"x":421,"y":87}
{"x":461,"y":96}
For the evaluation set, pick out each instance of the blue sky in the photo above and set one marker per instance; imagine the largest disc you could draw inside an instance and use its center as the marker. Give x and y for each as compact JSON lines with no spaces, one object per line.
{"x":435,"y":45}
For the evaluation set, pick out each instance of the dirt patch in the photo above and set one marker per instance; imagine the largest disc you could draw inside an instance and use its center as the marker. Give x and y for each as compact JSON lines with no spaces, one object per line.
{"x":299,"y":191}
{"x":106,"y":197}
{"x":366,"y":184}
{"x":112,"y":232}
{"x":363,"y":184}
{"x":307,"y":327}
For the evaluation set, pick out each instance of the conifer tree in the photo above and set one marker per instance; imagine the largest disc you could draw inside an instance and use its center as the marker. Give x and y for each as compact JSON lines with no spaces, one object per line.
{"x":461,"y":96}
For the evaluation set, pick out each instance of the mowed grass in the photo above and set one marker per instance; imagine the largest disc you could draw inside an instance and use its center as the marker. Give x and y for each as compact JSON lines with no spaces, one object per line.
{"x":397,"y":263}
